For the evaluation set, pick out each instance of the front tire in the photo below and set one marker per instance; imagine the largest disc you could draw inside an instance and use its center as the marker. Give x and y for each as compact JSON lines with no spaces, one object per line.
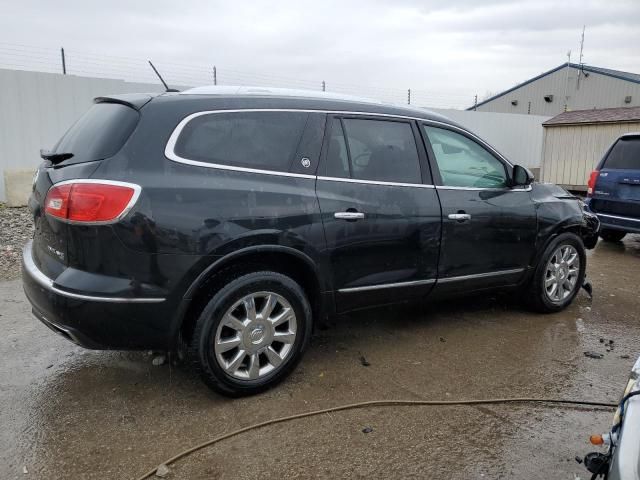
{"x":559,"y":274}
{"x":251,"y":334}
{"x":612,"y":235}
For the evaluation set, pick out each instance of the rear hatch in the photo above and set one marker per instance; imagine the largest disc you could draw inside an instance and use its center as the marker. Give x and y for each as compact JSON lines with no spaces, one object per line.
{"x":617,"y":189}
{"x":99,"y":134}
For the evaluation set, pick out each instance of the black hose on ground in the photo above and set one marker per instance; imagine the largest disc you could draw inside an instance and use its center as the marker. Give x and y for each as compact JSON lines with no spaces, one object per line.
{"x":375,"y":403}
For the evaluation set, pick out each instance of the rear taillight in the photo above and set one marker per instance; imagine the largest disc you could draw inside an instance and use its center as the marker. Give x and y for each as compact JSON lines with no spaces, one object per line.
{"x":591,"y":184}
{"x":90,"y":201}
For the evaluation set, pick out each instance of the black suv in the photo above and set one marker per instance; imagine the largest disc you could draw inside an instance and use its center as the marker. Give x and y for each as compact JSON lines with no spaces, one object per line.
{"x":229,"y":221}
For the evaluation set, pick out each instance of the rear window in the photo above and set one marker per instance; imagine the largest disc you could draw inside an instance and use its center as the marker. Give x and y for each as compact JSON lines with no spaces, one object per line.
{"x":264,"y":140}
{"x":99,"y":133}
{"x":625,"y":154}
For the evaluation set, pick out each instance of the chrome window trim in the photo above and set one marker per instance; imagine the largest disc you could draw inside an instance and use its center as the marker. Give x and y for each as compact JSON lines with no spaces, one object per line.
{"x":169,"y":150}
{"x":47,"y":283}
{"x":366,"y":288}
{"x":618,"y":217}
{"x":137,"y":189}
{"x":480,"y":275}
{"x":528,"y":188}
{"x":375,"y":182}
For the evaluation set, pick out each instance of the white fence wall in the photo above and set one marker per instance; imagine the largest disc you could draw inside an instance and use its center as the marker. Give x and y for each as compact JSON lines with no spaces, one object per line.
{"x":518,"y":137}
{"x":37,"y":108}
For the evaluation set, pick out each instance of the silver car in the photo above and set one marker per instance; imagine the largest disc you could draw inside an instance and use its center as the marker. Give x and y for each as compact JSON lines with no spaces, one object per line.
{"x":622,"y":458}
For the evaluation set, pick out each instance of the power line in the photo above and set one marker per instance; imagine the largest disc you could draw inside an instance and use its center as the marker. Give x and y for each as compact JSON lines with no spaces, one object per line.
{"x":77,"y":62}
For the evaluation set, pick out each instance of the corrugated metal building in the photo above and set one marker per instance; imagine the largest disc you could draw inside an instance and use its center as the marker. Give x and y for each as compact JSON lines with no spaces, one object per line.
{"x":567,"y":87}
{"x":575,"y":141}
{"x":518,"y":137}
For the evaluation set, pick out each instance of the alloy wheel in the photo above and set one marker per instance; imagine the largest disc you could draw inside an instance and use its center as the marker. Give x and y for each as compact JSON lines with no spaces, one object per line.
{"x":562,"y":272}
{"x":256,"y":335}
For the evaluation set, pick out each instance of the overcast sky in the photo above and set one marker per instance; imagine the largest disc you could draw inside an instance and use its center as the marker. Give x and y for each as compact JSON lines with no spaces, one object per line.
{"x":445,"y":51}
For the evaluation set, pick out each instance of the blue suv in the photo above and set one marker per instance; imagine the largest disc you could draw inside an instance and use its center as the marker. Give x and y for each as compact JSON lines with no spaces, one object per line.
{"x":614,"y":189}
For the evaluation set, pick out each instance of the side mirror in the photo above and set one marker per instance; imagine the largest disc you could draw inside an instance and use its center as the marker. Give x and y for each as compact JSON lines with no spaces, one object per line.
{"x":522,"y":176}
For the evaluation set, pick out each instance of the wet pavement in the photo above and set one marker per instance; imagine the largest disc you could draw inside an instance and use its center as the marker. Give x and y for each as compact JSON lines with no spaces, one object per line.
{"x":71,"y":413}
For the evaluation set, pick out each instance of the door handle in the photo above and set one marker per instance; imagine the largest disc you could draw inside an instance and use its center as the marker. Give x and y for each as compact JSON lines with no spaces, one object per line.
{"x":348,"y":215}
{"x":460,"y":217}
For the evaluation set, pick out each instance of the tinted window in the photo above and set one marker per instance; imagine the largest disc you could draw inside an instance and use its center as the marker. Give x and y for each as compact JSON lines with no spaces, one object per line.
{"x":337,"y":161}
{"x":382,"y":151}
{"x":464,"y":163}
{"x":99,"y":133}
{"x":625,"y":154}
{"x":265,"y":140}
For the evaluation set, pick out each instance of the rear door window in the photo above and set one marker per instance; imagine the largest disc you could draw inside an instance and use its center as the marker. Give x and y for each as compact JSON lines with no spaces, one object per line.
{"x":262,"y":140}
{"x":376,"y":150}
{"x":625,"y":155}
{"x":100,"y":133}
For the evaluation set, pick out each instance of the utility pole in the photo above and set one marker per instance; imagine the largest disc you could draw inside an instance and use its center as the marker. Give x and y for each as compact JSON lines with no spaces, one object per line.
{"x":64,"y":63}
{"x":324,"y":86}
{"x":409,"y":97}
{"x":215,"y":76}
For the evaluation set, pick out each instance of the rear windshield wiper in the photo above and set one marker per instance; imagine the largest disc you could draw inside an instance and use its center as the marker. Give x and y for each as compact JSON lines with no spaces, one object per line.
{"x":55,"y":158}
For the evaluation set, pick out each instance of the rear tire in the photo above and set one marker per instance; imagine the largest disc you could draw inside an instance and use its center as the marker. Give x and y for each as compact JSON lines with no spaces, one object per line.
{"x":609,"y":235}
{"x":251,"y":334}
{"x":558,"y":276}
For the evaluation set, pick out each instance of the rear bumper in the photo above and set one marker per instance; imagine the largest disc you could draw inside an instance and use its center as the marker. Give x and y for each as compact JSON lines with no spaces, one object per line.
{"x":93,"y":320}
{"x":617,"y":222}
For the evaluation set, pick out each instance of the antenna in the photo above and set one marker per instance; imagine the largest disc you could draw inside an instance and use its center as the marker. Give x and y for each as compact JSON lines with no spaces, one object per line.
{"x":582,"y":45}
{"x":166,"y":87}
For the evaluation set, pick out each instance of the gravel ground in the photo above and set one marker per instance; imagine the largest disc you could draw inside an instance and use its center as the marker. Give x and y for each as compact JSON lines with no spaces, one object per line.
{"x":16,"y":227}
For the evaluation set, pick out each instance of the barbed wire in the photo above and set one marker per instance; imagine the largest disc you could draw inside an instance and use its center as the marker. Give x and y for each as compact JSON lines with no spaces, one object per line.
{"x":82,"y":63}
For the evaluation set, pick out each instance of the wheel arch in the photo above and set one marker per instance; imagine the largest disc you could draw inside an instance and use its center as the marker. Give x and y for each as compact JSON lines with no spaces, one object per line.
{"x":281,"y":259}
{"x":544,"y":241}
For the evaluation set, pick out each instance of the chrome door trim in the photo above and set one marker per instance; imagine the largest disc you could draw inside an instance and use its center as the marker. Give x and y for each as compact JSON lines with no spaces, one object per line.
{"x":366,"y":288}
{"x":348,"y":215}
{"x":480,"y":275}
{"x":430,"y":281}
{"x":460,"y":217}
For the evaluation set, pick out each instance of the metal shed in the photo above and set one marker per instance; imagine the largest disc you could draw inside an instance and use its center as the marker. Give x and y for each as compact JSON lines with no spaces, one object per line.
{"x":575,"y":141}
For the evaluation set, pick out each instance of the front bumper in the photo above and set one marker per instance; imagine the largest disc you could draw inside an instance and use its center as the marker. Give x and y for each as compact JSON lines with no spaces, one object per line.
{"x":92,"y":320}
{"x":591,"y":228}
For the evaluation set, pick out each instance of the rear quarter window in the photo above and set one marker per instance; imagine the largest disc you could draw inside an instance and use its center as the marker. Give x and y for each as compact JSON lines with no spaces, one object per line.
{"x":100,"y":133}
{"x":625,"y":155}
{"x":262,"y":140}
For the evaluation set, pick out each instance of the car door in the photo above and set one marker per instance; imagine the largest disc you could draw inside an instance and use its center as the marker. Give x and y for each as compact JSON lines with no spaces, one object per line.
{"x":380,"y":213}
{"x":489,"y":228}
